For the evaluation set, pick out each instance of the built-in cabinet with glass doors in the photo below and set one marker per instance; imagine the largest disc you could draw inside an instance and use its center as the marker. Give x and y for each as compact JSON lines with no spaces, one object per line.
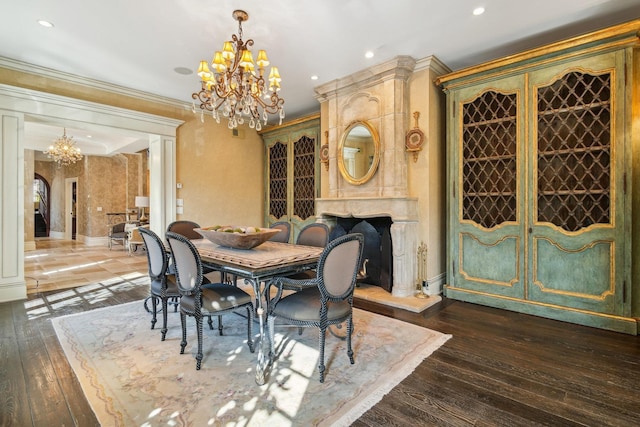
{"x":542,"y":161}
{"x":292,"y":173}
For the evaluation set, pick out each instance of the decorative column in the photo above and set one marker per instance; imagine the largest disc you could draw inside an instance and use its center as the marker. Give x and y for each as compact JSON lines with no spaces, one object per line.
{"x":404,"y":237}
{"x":12,"y":284}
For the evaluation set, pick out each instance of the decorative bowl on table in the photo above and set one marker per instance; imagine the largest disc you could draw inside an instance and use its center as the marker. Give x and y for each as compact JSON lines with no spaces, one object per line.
{"x":237,"y":237}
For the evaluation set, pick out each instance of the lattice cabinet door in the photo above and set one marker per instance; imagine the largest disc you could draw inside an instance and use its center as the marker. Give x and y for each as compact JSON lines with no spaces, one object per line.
{"x":278,"y":181}
{"x":576,"y":165}
{"x":292,"y":169}
{"x":487,"y":197}
{"x":543,"y":167}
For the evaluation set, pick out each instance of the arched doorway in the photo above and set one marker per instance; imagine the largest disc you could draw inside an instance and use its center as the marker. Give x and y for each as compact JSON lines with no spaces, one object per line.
{"x":41,"y":207}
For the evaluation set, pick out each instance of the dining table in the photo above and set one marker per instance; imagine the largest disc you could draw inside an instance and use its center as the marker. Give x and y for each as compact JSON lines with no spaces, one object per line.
{"x":258,"y":266}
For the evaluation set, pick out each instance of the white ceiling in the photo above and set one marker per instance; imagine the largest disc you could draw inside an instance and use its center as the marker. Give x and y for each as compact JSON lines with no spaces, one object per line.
{"x":139,"y":44}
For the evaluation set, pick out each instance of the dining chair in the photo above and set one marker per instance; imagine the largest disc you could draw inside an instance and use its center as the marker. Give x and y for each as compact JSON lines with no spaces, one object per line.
{"x":186,"y":229}
{"x":323,"y":301}
{"x":163,"y":285}
{"x":285,"y":231}
{"x":117,"y":233}
{"x":315,"y":234}
{"x":199,"y":299}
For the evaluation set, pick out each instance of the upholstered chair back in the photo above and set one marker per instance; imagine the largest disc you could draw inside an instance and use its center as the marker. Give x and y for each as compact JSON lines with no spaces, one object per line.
{"x":187,"y":263}
{"x":316,"y":234}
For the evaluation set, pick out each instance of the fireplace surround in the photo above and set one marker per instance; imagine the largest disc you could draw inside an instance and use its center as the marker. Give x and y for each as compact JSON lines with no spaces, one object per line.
{"x":403,"y":213}
{"x":410,"y":195}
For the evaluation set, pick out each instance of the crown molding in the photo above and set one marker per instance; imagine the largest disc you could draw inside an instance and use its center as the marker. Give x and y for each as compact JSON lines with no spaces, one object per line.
{"x":24,"y":67}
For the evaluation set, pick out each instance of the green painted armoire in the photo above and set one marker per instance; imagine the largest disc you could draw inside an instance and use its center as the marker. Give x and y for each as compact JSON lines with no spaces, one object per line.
{"x":292,"y":172}
{"x":543,"y":164}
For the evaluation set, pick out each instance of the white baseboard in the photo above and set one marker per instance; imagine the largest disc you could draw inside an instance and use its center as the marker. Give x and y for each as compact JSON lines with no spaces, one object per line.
{"x":93,"y":241}
{"x":435,"y":284}
{"x":13,"y":291}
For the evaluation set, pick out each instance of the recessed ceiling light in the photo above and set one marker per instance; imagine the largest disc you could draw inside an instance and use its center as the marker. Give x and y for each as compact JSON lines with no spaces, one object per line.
{"x":368,"y":54}
{"x":183,"y":70}
{"x":478,"y":11}
{"x":314,"y":77}
{"x":45,"y":23}
{"x":89,"y":136}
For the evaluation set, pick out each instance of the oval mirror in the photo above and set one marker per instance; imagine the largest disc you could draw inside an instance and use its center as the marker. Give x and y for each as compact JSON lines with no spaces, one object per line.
{"x":359,"y":152}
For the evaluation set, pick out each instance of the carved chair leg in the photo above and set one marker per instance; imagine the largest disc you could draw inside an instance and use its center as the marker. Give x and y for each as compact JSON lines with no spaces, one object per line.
{"x":183,"y":322}
{"x":219,"y":325}
{"x":154,"y":307}
{"x":199,"y":330}
{"x":349,"y":332}
{"x":321,"y":366}
{"x":164,"y":318}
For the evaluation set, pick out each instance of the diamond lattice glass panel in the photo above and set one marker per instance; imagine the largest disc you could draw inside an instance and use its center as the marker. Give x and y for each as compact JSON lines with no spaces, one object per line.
{"x":304,"y":177}
{"x":278,"y":180}
{"x":574,"y":151}
{"x":489,"y":159}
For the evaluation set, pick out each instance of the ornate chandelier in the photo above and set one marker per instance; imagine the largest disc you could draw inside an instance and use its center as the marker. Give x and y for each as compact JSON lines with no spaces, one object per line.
{"x":64,"y":150}
{"x":234,"y":89}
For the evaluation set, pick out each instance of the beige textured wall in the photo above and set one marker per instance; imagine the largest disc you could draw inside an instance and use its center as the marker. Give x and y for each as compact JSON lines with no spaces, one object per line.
{"x":426,"y":176}
{"x":110,"y":183}
{"x":222,"y":175}
{"x":104,"y":186}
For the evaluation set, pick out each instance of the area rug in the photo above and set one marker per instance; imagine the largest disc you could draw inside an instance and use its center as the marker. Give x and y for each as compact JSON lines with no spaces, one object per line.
{"x":132,"y":378}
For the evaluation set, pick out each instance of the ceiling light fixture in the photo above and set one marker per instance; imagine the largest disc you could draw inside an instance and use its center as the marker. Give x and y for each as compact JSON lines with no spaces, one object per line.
{"x":45,"y":23}
{"x":478,"y":11}
{"x":368,"y":54}
{"x":64,"y":150}
{"x":235,"y":87}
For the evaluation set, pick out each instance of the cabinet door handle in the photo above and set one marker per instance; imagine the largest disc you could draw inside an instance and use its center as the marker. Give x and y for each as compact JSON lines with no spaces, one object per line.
{"x":530,"y":230}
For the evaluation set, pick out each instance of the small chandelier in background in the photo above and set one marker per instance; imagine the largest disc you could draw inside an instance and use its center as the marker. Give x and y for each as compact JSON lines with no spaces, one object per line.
{"x":64,"y":150}
{"x":234,"y":89}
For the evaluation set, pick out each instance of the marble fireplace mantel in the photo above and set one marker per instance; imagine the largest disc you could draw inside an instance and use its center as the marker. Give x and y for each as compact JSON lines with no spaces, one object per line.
{"x":397,"y":208}
{"x":403,"y":212}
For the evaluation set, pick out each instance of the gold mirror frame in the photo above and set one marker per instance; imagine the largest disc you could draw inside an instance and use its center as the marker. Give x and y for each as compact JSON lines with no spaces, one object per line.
{"x":374,"y":161}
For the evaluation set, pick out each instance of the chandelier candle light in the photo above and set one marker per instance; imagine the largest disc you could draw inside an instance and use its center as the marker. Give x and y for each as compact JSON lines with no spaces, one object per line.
{"x":64,"y":150}
{"x":234,"y":89}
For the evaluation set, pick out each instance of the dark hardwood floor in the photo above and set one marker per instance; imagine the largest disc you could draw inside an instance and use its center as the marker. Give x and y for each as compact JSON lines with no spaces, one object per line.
{"x":500,"y":368}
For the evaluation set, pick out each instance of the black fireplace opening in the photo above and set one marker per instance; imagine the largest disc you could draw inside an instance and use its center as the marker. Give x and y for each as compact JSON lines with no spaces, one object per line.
{"x":377,"y":256}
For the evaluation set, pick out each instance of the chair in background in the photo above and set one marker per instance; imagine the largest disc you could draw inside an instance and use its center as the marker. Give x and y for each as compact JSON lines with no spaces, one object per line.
{"x":199,"y":299}
{"x":134,"y":239}
{"x":285,"y":231}
{"x":185,"y":228}
{"x":163,"y":285}
{"x":325,"y":300}
{"x":117,"y":234}
{"x":315,"y":234}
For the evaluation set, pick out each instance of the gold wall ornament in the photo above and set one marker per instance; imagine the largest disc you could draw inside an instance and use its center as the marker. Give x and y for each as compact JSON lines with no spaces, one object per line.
{"x":324,"y":151}
{"x":64,"y":150}
{"x":234,"y":89}
{"x":414,"y":138}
